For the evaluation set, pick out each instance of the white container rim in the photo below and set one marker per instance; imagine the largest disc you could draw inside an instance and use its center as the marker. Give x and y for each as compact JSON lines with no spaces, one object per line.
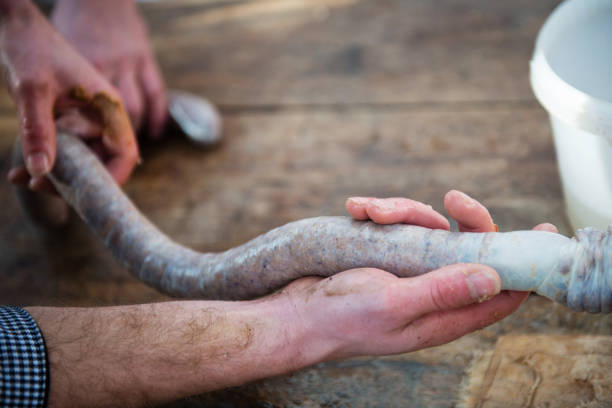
{"x":561,"y":99}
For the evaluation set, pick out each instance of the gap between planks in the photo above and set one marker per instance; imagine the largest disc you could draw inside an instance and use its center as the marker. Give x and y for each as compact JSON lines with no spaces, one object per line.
{"x":421,"y":106}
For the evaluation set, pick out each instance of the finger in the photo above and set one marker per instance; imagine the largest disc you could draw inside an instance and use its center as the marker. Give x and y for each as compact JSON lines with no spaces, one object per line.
{"x":469,"y":213}
{"x":117,"y":136}
{"x":357,"y":207}
{"x":42,"y":185}
{"x":120,"y":167}
{"x":37,"y":131}
{"x":102,"y":102}
{"x":128,"y":87}
{"x":396,"y":210}
{"x":446,"y":288}
{"x":546,"y":227}
{"x":442,"y":327}
{"x":155,"y":97}
{"x":72,"y":121}
{"x":19,"y":176}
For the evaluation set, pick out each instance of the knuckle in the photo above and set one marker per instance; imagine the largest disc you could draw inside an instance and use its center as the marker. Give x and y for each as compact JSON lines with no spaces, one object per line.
{"x":155,"y":89}
{"x":133,"y":107}
{"x":33,"y":133}
{"x":33,"y":86}
{"x":437,"y":295}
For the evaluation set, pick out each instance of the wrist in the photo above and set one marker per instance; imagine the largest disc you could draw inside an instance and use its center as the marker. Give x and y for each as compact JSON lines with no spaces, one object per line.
{"x":301,"y":343}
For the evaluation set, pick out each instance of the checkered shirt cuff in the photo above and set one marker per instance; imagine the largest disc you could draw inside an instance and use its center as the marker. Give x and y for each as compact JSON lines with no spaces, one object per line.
{"x":23,"y":360}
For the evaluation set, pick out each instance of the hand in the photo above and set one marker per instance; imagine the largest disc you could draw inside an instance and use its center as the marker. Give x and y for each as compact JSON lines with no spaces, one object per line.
{"x":52,"y":84}
{"x":372,"y":312}
{"x":149,"y":354}
{"x":113,"y":37}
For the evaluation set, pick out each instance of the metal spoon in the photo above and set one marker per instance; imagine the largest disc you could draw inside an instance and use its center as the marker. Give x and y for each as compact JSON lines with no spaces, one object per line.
{"x":197,"y":118}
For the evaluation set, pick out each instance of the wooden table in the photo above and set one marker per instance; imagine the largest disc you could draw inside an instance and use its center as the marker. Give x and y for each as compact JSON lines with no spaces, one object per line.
{"x":321,"y":100}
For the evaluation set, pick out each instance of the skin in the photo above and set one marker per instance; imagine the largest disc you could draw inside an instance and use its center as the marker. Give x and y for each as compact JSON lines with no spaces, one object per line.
{"x":52,"y":84}
{"x":113,"y":37}
{"x":143,"y":355}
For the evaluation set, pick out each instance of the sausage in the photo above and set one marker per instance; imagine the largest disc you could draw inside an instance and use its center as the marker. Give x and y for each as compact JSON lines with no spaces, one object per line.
{"x":576,"y":272}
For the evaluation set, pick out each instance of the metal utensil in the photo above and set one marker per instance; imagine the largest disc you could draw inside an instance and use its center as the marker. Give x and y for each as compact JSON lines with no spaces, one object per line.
{"x":197,"y":118}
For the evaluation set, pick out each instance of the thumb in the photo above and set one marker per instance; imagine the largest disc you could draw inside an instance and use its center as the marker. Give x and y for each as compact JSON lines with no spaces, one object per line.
{"x":450,"y":287}
{"x":37,"y":132}
{"x":118,"y":137}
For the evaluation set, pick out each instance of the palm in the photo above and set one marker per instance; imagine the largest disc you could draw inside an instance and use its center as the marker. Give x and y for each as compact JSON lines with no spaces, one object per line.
{"x":370,"y":311}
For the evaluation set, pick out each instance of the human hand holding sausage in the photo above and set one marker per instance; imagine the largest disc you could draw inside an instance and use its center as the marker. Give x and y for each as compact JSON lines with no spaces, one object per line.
{"x":52,"y":84}
{"x":370,"y":311}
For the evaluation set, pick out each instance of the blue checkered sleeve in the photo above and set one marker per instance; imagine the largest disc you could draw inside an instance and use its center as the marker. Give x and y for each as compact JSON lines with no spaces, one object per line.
{"x":23,"y":360}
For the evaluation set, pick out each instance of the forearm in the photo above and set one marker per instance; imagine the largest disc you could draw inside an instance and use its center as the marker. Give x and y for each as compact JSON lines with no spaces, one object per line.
{"x":148,"y":354}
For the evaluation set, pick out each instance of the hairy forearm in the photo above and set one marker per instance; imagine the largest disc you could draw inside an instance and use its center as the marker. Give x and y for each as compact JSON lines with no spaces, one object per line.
{"x":148,"y":354}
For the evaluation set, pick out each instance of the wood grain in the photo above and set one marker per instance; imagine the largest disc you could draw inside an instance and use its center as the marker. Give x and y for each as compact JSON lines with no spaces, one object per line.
{"x":321,"y":100}
{"x":270,"y":52}
{"x":273,"y":169}
{"x":526,"y":371}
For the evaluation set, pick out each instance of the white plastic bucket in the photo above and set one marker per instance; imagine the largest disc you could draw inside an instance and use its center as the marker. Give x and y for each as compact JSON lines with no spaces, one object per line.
{"x":571,"y":75}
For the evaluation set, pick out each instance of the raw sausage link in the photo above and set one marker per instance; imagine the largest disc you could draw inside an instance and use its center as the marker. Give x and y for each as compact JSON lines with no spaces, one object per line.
{"x":576,"y":272}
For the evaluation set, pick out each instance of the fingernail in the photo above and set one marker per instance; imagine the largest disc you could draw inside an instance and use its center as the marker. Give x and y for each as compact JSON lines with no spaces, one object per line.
{"x":34,"y":183}
{"x":360,"y":201}
{"x":37,"y":164}
{"x":466,"y":199}
{"x":483,"y":284}
{"x":11,"y":175}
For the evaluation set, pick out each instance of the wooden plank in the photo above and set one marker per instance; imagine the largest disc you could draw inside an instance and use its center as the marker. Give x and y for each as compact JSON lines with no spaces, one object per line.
{"x":357,"y":383}
{"x":276,"y":168}
{"x":323,"y":99}
{"x":270,"y":52}
{"x":280,"y":166}
{"x":542,"y":371}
